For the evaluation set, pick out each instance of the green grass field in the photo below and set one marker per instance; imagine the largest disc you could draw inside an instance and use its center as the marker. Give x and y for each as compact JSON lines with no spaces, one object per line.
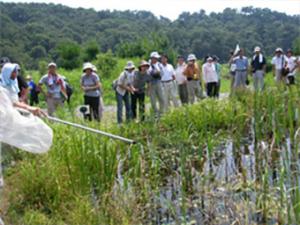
{"x":215,"y":162}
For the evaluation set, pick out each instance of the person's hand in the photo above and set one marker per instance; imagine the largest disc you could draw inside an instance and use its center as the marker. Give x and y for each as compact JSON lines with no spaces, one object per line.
{"x":36,"y":111}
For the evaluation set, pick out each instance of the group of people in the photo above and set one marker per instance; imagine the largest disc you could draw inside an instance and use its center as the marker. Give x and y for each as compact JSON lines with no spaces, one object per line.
{"x":164,"y":83}
{"x":157,"y":78}
{"x":284,"y":68}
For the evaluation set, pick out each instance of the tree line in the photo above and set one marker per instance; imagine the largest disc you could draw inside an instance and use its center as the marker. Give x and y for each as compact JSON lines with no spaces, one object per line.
{"x":31,"y":33}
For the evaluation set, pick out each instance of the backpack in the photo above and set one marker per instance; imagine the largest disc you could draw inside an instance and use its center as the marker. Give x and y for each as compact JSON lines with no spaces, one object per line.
{"x":114,"y":84}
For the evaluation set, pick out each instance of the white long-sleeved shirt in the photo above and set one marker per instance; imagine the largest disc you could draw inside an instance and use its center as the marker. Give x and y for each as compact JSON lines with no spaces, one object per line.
{"x":180,"y":77}
{"x":209,"y":73}
{"x":167,"y":72}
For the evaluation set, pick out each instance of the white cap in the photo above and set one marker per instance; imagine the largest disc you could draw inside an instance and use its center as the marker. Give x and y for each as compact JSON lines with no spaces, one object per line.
{"x":129,"y":65}
{"x":52,"y":64}
{"x":209,"y":58}
{"x":191,"y":57}
{"x":278,"y":50}
{"x":154,"y":55}
{"x":257,"y":49}
{"x":87,"y":65}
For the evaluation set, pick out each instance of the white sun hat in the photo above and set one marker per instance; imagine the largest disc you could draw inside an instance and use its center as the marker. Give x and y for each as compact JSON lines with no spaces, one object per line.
{"x":257,"y":49}
{"x":129,"y":65}
{"x":87,"y":65}
{"x":52,"y":64}
{"x":191,"y":57}
{"x":154,"y":55}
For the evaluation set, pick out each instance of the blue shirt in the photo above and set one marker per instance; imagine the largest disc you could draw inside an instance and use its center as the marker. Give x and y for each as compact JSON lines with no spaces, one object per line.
{"x":32,"y":86}
{"x":241,"y":63}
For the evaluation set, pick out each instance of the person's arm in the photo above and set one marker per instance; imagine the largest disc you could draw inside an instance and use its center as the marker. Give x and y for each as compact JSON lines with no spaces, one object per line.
{"x":264,"y":68}
{"x":273,"y":67}
{"x":34,"y":110}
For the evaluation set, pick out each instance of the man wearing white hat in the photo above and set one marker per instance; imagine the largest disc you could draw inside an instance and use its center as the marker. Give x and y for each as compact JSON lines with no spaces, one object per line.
{"x":90,"y":84}
{"x":241,"y":71}
{"x":258,"y":65}
{"x":279,"y":62}
{"x":56,"y":88}
{"x":156,"y":91}
{"x":192,"y":73}
{"x":124,"y":88}
{"x":291,"y":67}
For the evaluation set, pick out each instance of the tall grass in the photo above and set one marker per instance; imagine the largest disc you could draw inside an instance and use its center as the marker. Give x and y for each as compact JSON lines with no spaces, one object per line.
{"x":191,"y":166}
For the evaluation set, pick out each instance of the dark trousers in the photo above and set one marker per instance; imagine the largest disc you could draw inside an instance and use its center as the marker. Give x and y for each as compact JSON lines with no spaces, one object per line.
{"x":218,"y":88}
{"x":212,"y":89}
{"x":120,"y":100}
{"x":291,"y":80}
{"x":33,"y":99}
{"x":183,"y":93}
{"x":93,"y":102}
{"x":140,"y":98}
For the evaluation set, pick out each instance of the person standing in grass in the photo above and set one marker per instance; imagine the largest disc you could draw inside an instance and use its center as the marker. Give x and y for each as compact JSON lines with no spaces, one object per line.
{"x":140,"y":79}
{"x":181,"y":80}
{"x":34,"y":93}
{"x":210,"y":77}
{"x":56,"y":89}
{"x":101,"y":102}
{"x":90,"y":84}
{"x":279,"y":63}
{"x":291,"y":66}
{"x":156,"y":91}
{"x":123,"y":89}
{"x":168,"y":82}
{"x":192,"y":73}
{"x":258,"y":65}
{"x":241,"y":71}
{"x":232,"y":68}
{"x":218,"y":69}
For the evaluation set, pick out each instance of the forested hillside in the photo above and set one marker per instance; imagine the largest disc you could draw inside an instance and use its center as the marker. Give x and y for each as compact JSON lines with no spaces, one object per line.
{"x":34,"y":32}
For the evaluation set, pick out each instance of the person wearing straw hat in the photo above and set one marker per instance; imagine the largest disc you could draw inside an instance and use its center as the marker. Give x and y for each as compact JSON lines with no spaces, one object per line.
{"x":210,"y":77}
{"x":140,"y":79}
{"x":90,"y":84}
{"x":181,"y":80}
{"x":291,"y":66}
{"x":123,"y":89}
{"x":56,"y":88}
{"x":192,"y":73}
{"x":241,"y":71}
{"x":168,"y":82}
{"x":279,"y":63}
{"x":156,"y":91}
{"x":258,"y":65}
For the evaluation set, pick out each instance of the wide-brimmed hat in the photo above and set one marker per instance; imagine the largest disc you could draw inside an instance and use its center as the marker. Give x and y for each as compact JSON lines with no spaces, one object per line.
{"x":209,"y":58}
{"x":52,"y":64}
{"x":87,"y":66}
{"x":129,"y":65}
{"x":144,"y":63}
{"x":257,"y":49}
{"x":154,"y":55}
{"x":191,"y":57}
{"x":278,"y":50}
